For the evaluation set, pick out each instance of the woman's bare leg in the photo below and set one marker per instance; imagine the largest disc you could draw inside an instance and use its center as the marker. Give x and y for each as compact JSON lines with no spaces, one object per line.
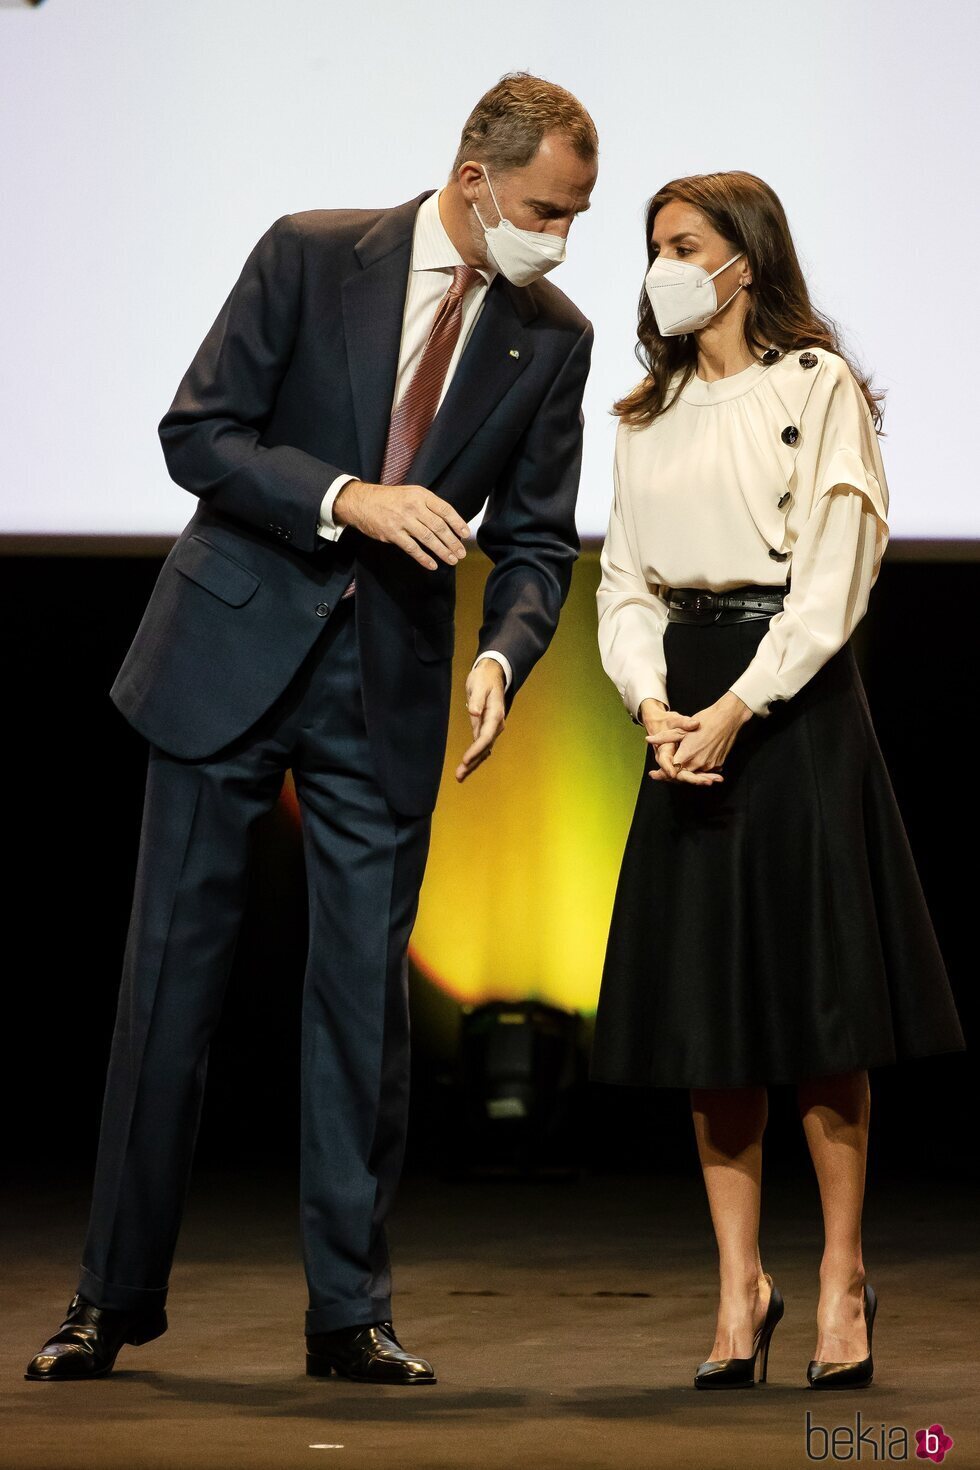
{"x":835,"y":1112}
{"x":728,"y":1125}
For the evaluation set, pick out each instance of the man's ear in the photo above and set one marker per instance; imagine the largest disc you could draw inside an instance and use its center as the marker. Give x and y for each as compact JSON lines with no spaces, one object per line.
{"x":468,"y":175}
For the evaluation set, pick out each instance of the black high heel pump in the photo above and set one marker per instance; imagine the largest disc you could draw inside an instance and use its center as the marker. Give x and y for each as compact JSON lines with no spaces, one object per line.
{"x":847,"y":1375}
{"x":740,"y":1372}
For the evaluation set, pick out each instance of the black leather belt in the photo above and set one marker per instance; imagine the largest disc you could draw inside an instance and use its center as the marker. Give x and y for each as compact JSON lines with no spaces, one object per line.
{"x":700,"y":605}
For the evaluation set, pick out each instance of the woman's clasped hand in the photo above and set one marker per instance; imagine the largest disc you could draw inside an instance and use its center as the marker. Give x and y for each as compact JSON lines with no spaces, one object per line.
{"x":693,"y":748}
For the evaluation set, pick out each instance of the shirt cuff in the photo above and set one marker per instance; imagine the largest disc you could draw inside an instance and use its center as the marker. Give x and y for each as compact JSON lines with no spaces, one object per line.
{"x":328,"y":527}
{"x":502,"y":660}
{"x":641,"y":686}
{"x":751,"y":688}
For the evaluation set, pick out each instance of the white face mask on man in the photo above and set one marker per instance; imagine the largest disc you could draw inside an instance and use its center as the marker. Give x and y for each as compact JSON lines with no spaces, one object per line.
{"x":522,"y":256}
{"x":683,"y":295}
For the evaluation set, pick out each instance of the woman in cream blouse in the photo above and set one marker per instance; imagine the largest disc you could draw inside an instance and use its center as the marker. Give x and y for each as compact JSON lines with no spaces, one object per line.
{"x":769,"y":925}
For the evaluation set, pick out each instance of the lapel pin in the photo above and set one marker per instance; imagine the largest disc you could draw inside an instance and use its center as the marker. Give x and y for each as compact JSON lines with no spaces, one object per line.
{"x":514,"y":352}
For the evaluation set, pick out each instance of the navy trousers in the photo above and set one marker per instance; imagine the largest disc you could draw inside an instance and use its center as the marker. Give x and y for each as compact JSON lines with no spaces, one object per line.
{"x":364,"y":867}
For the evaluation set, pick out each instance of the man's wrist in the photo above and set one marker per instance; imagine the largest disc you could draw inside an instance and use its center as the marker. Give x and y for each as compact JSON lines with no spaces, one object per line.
{"x":338,"y":504}
{"x":493,"y":655}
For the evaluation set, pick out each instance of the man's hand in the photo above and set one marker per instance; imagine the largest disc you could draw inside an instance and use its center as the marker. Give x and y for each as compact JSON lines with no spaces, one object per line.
{"x":485,"y":703}
{"x":408,"y":516}
{"x":701,"y":751}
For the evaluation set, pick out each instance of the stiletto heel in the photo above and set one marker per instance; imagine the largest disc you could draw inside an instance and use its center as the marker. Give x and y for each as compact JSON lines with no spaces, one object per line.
{"x":740,"y":1372}
{"x":764,"y":1374}
{"x":847,"y":1375}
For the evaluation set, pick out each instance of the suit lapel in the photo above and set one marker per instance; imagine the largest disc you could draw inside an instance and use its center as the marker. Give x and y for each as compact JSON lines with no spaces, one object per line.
{"x":373,"y":308}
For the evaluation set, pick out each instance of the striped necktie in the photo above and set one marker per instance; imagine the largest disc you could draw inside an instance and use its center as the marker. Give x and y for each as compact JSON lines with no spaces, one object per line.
{"x":417,"y":408}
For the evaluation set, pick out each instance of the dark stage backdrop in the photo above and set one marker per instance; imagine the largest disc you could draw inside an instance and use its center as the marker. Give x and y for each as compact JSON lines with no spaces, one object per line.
{"x":74,"y":787}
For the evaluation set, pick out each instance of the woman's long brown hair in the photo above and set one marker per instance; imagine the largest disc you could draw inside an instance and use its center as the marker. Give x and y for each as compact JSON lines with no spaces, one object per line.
{"x":748,"y":214}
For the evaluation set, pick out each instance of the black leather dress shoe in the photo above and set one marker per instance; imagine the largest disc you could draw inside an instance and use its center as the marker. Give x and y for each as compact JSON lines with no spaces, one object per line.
{"x":86,"y":1343}
{"x":365,"y":1354}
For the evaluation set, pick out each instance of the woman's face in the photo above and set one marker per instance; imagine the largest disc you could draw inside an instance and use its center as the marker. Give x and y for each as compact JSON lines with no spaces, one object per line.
{"x":681,"y":232}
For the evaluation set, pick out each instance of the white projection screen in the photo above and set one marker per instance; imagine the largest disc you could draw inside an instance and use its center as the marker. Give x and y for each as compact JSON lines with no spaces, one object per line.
{"x":148,"y":145}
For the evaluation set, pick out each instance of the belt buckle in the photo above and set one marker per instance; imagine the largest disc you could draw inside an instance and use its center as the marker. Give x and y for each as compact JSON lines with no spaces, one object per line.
{"x":704,"y":603}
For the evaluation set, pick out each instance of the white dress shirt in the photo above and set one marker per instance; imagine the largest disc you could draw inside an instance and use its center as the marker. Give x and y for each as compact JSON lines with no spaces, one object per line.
{"x":716,"y":492}
{"x":430,"y":275}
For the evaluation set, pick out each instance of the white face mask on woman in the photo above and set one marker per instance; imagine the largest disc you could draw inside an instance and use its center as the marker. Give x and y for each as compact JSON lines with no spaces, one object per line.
{"x":522,"y":256}
{"x":683,"y":295}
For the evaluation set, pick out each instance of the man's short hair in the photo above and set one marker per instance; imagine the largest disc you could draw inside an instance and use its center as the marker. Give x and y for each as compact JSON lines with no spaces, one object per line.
{"x":506,"y":126}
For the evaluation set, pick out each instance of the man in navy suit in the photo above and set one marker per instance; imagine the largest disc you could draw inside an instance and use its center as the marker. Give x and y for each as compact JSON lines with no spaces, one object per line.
{"x":304,"y":620}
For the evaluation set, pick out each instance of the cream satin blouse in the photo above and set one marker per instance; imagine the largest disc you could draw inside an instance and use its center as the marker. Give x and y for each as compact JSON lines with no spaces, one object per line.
{"x":771,"y":472}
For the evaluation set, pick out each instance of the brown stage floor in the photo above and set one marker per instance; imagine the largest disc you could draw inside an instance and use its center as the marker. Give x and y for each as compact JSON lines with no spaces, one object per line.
{"x":565,"y":1323}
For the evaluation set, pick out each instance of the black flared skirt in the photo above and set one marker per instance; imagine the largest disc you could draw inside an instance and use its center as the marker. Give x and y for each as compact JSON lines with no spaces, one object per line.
{"x":771,"y":927}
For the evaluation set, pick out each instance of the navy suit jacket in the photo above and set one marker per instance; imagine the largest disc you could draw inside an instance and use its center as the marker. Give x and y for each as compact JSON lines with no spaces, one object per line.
{"x":292,"y":386}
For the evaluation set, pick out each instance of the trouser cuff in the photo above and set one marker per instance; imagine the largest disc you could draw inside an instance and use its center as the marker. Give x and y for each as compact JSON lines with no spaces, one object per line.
{"x":119,"y":1298}
{"x":348,"y":1314}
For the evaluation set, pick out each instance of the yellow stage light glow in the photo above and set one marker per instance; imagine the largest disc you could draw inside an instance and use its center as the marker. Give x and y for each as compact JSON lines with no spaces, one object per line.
{"x":526,"y":851}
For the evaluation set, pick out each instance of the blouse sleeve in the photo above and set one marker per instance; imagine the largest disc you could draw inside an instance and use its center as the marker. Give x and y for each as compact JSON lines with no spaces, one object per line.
{"x":632,"y":616}
{"x":836,"y":557}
